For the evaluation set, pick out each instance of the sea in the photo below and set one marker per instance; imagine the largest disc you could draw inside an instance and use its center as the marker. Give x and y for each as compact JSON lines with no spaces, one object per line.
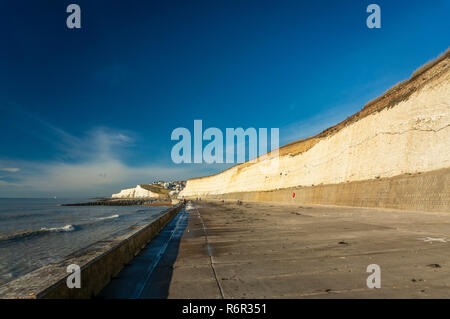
{"x":36,"y":232}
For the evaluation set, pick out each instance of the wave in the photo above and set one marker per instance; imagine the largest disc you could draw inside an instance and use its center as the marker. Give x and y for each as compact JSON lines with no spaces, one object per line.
{"x":62,"y":229}
{"x":66,"y":228}
{"x":43,"y":230}
{"x":108,"y":217}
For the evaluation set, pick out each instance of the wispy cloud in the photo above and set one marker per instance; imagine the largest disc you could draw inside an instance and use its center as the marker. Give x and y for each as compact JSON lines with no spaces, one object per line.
{"x":10,"y":169}
{"x":92,"y":164}
{"x":9,"y":184}
{"x":93,"y":178}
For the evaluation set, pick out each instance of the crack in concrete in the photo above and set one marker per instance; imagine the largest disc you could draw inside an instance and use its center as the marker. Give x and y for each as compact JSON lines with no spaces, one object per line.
{"x":211,"y":261}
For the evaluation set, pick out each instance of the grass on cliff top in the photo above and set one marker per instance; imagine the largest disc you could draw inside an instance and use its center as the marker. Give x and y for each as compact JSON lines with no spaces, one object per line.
{"x":158,"y":189}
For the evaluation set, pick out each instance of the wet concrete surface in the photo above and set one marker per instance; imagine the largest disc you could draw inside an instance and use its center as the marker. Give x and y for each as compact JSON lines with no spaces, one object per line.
{"x":258,"y":250}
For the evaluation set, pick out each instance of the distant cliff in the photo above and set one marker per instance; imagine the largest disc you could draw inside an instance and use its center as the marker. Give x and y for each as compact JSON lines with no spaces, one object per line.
{"x":160,"y":190}
{"x":404,"y":131}
{"x":137,"y":192}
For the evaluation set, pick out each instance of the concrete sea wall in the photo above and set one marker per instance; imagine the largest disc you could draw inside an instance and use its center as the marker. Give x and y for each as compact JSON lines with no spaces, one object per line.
{"x":421,"y":192}
{"x":98,"y":262}
{"x":405,"y":132}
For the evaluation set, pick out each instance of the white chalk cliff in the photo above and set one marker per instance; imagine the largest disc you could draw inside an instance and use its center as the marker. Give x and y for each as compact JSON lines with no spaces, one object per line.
{"x":407,"y":130}
{"x":137,"y":192}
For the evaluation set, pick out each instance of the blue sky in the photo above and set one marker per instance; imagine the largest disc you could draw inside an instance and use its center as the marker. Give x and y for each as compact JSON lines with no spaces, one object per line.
{"x":87,"y":112}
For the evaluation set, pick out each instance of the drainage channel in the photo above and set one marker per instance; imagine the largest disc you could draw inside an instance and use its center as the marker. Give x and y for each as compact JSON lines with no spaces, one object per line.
{"x":182,"y":217}
{"x":134,"y":278}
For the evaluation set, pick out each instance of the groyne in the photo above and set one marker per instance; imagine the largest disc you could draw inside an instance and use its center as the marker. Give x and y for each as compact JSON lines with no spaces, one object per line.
{"x":120,"y":202}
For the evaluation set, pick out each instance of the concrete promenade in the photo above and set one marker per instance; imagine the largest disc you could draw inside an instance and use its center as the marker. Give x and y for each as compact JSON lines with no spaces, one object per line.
{"x":265,"y":250}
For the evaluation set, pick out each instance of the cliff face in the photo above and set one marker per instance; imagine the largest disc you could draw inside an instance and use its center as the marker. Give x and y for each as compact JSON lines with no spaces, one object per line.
{"x":125,"y":193}
{"x":137,"y":192}
{"x":405,"y":131}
